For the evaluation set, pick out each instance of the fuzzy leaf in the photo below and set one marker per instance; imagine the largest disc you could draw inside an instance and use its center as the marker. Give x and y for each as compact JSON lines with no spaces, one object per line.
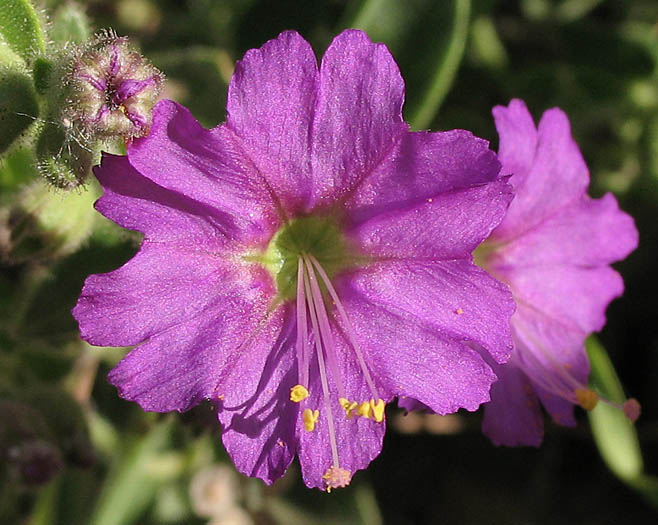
{"x":21,"y":28}
{"x":70,"y":24}
{"x":18,"y":106}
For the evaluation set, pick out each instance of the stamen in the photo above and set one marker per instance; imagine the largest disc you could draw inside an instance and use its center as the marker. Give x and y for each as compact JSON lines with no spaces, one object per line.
{"x":363,"y":409}
{"x":337,"y":477}
{"x":310,"y":418}
{"x":298,"y":393}
{"x":587,"y":398}
{"x":348,"y":326}
{"x":377,"y":410}
{"x":303,"y":352}
{"x":323,"y":373}
{"x":325,"y":330}
{"x":556,"y":379}
{"x":348,"y":406}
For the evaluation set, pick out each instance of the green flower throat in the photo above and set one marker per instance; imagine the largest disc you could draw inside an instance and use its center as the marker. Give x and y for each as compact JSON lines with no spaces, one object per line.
{"x":317,"y":236}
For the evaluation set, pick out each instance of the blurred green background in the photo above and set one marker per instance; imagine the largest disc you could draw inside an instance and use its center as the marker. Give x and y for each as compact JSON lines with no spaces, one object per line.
{"x":109,"y":463}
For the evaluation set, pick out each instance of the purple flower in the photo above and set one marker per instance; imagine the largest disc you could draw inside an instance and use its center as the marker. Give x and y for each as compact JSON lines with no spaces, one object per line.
{"x":304,"y":263}
{"x":113,"y":89}
{"x":553,"y":249}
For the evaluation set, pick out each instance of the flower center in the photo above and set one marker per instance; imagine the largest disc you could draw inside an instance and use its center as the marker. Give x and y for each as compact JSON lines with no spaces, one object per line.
{"x":303,"y":257}
{"x":317,"y":236}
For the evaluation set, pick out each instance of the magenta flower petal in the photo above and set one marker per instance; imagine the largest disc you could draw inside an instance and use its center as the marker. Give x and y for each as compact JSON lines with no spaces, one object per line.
{"x":270,"y":107}
{"x":544,"y":289}
{"x":553,"y":250}
{"x":450,"y":223}
{"x":162,"y":376}
{"x":453,"y":298}
{"x":518,"y":139}
{"x":277,"y":277}
{"x":560,"y":409}
{"x":410,"y":174}
{"x":559,"y":174}
{"x":422,"y":361}
{"x":157,"y":289}
{"x":258,"y":420}
{"x":588,"y":233}
{"x":513,"y":417}
{"x":358,"y":117}
{"x":137,"y":203}
{"x":208,"y":167}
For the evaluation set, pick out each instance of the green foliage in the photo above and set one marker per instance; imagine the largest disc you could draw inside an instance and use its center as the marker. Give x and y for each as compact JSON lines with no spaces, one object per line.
{"x":69,"y":24}
{"x":130,"y":486}
{"x":44,"y":224}
{"x":63,"y":161}
{"x":21,"y":28}
{"x":615,"y":436}
{"x":432,"y":46}
{"x":41,"y":72}
{"x":18,"y":106}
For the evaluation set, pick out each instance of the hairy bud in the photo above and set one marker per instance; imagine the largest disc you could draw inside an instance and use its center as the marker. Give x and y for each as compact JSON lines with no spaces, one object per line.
{"x":111,"y":89}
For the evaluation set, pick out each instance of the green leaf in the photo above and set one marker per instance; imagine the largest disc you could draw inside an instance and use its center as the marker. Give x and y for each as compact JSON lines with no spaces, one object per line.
{"x":16,"y":169}
{"x":41,"y":72}
{"x":615,"y":436}
{"x":428,"y":37}
{"x":131,"y":486}
{"x":18,"y":106}
{"x":446,"y":67}
{"x":10,"y":59}
{"x":70,"y":24}
{"x":45,"y":508}
{"x":62,"y":161}
{"x":21,"y":28}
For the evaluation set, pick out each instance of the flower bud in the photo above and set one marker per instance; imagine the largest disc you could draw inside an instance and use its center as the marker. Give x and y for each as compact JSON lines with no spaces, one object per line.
{"x":111,"y":89}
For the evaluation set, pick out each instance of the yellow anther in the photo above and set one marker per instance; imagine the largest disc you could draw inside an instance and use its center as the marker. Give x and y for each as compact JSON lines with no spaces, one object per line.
{"x":336,"y":477}
{"x":377,"y":410}
{"x":348,"y":406}
{"x":298,"y":393}
{"x":310,"y":418}
{"x":363,"y":410}
{"x":586,"y":398}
